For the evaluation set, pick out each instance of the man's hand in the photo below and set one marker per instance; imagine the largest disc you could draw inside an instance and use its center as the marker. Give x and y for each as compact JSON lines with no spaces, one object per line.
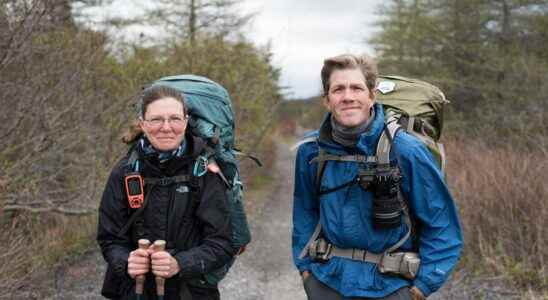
{"x":416,"y":294}
{"x":164,"y":265}
{"x":305,"y":275}
{"x":138,"y":263}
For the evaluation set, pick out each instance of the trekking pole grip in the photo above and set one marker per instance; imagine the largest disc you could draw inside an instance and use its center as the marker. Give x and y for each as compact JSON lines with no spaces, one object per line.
{"x":160,"y":245}
{"x":140,"y":279}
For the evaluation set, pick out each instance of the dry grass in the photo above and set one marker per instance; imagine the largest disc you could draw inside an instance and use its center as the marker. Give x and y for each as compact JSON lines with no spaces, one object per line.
{"x":503,"y":200}
{"x":33,"y":243}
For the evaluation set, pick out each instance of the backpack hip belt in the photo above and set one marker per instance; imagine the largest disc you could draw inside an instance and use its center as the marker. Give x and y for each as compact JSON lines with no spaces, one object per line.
{"x":405,"y":264}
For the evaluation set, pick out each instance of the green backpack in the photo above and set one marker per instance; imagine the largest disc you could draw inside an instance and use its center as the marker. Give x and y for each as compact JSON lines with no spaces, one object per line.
{"x":417,"y":107}
{"x":212,"y":118}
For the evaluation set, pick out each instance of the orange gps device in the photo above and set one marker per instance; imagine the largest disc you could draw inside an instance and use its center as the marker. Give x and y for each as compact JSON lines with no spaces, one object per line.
{"x":134,"y":190}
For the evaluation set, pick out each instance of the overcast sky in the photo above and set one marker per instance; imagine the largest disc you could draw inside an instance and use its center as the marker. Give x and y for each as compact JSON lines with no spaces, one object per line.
{"x":305,"y":32}
{"x":302,"y":33}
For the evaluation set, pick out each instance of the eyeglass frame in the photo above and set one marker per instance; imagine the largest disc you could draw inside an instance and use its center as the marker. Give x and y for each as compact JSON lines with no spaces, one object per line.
{"x":171,"y":120}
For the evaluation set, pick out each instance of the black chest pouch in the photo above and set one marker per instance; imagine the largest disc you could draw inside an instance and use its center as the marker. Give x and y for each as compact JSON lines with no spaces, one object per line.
{"x":387,"y":205}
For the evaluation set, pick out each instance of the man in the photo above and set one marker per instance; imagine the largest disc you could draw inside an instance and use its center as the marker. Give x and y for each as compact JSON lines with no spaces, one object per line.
{"x":357,"y":230}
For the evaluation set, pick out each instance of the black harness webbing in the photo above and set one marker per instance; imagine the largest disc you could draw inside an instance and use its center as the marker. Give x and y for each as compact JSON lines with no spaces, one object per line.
{"x":167,"y":180}
{"x":151,"y":182}
{"x":382,"y":159}
{"x":331,"y":190}
{"x":135,"y":215}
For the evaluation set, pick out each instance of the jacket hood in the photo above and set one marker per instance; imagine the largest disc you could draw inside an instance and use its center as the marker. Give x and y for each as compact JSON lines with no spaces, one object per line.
{"x":368,"y":140}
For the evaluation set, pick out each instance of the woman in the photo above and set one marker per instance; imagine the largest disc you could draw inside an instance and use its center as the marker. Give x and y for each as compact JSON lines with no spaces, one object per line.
{"x":188,"y":212}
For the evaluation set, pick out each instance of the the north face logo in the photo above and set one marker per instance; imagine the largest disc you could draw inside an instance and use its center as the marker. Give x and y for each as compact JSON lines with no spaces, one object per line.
{"x":182,"y":189}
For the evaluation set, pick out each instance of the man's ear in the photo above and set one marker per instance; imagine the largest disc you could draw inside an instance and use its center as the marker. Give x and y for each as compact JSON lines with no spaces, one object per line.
{"x":325,"y":102}
{"x":373,"y":94}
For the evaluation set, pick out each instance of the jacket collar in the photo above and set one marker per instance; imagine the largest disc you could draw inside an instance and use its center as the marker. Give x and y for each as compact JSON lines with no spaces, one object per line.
{"x":195,"y":146}
{"x":368,"y":140}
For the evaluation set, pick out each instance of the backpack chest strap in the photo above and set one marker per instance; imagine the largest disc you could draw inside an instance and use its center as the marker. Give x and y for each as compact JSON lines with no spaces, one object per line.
{"x":322,"y":157}
{"x":165,"y":181}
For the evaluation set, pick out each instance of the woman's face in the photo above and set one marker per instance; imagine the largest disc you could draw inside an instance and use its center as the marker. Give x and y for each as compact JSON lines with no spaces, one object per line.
{"x":164,"y":124}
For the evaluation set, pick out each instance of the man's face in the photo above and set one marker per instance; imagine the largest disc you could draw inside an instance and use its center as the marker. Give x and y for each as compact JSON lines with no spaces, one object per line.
{"x":348,"y":98}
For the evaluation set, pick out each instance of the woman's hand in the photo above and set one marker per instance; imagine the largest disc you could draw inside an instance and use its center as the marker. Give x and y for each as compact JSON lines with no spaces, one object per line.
{"x":138,"y":262}
{"x":164,"y":265}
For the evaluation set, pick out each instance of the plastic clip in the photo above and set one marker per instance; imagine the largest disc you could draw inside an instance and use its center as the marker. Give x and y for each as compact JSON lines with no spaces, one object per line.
{"x":200,"y":166}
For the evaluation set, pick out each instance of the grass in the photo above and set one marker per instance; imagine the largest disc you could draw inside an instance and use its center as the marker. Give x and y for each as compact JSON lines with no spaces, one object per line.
{"x":38,"y":242}
{"x":503,"y":201}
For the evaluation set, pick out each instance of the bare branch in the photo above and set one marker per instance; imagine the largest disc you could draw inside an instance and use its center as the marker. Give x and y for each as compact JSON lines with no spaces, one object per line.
{"x":61,"y":210}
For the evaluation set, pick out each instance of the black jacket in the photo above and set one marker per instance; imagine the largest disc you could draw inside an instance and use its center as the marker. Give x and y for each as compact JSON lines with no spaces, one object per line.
{"x":193,"y":218}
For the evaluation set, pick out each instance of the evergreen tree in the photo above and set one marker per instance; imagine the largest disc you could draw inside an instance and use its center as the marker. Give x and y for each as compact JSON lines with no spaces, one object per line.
{"x":486,"y":55}
{"x":187,"y":19}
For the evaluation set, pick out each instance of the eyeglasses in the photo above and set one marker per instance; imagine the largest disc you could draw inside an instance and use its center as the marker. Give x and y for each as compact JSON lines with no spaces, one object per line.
{"x":176,"y":121}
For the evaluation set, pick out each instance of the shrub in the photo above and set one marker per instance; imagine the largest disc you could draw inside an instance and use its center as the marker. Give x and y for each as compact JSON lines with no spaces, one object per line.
{"x":502,"y":196}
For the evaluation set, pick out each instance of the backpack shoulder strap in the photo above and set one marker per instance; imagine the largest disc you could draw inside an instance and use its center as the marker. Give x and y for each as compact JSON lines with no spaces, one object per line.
{"x":383,"y":155}
{"x":392,"y":127}
{"x":304,"y":141}
{"x":321,"y":168}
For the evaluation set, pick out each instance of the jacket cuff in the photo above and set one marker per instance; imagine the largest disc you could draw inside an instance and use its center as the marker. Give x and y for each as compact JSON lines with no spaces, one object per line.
{"x":186,"y":267}
{"x":120,"y":269}
{"x":303,"y":267}
{"x":426,"y":291}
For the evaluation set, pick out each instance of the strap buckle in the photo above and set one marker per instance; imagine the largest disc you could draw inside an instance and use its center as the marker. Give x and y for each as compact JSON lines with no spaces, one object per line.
{"x":320,"y":250}
{"x":165,"y":181}
{"x":325,"y":252}
{"x":200,"y":166}
{"x":366,"y":177}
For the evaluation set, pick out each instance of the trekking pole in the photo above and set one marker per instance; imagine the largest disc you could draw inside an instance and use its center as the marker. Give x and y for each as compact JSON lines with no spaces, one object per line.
{"x":140,"y":279}
{"x":160,"y":245}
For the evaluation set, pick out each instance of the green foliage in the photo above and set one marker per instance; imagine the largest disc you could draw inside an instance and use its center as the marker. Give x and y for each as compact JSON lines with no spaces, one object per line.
{"x":68,"y":102}
{"x":486,"y":55}
{"x":245,"y":71}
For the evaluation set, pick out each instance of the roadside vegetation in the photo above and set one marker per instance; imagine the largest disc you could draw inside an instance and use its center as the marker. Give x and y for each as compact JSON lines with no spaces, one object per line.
{"x":68,"y":93}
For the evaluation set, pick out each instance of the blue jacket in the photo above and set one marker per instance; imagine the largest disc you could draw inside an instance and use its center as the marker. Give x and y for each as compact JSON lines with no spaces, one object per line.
{"x":346,"y":215}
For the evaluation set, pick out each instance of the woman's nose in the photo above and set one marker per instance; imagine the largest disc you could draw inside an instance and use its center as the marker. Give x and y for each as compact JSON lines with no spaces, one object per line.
{"x":166,"y":126}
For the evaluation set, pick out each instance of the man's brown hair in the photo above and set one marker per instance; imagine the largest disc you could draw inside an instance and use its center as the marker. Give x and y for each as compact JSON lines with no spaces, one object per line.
{"x":364,"y":63}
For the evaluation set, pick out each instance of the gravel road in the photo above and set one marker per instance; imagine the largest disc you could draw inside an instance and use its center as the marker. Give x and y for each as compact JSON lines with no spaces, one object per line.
{"x":265,"y":271}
